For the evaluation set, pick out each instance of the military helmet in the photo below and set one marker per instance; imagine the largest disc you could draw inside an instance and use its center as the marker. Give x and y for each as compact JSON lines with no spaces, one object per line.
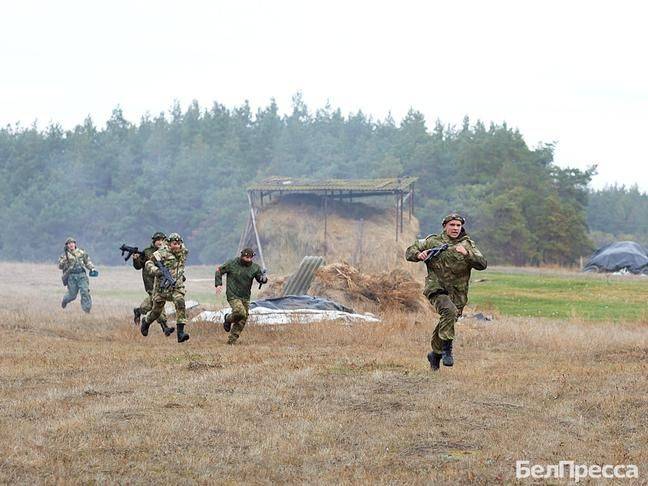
{"x":158,"y":235}
{"x":174,"y":237}
{"x":70,"y":240}
{"x":247,"y":252}
{"x":451,"y":217}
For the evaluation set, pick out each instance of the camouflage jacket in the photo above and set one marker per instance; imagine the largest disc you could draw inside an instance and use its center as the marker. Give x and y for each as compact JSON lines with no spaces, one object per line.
{"x":239,"y":278}
{"x":140,"y":264}
{"x":175,"y":262}
{"x":448,"y":273}
{"x":75,"y":261}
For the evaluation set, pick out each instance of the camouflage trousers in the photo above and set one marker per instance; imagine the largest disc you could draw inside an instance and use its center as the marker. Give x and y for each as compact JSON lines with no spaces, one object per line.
{"x":78,"y":283}
{"x":146,"y":306}
{"x":448,"y":315}
{"x":238,"y":318}
{"x":160,"y":298}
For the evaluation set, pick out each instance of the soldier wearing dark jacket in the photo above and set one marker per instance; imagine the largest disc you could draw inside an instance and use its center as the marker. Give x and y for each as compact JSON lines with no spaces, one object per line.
{"x":241,"y":273}
{"x":449,"y":257}
{"x":139,"y":263}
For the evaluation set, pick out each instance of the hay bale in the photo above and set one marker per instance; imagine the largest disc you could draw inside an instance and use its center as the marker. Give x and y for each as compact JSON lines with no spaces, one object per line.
{"x":396,"y":289}
{"x":345,"y":284}
{"x":293,"y":227}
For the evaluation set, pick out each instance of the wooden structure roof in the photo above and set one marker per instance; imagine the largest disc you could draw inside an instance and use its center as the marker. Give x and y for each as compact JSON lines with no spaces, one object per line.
{"x":331,"y":187}
{"x":401,"y":188}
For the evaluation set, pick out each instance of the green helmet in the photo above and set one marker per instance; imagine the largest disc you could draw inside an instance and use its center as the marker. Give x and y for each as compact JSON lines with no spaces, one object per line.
{"x":174,"y":237}
{"x":70,"y":240}
{"x":451,"y":217}
{"x":158,"y":235}
{"x":247,"y":252}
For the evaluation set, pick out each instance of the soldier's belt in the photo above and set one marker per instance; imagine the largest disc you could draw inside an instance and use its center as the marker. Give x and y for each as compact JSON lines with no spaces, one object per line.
{"x":79,"y":270}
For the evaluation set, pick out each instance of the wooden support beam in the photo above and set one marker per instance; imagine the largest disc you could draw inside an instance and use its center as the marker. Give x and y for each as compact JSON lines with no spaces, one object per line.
{"x":325,"y":223}
{"x":256,"y":233}
{"x":401,"y":212}
{"x":396,"y":218}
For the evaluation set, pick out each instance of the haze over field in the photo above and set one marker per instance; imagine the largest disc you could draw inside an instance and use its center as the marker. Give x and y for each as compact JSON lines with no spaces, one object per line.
{"x":565,"y":72}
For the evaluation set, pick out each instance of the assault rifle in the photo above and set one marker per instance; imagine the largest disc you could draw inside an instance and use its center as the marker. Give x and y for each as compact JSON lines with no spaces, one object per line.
{"x":168,"y":282}
{"x":435,"y":252}
{"x":131,"y":250}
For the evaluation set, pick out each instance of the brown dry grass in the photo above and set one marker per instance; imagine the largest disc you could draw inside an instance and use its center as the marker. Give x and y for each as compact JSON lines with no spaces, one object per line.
{"x":87,"y":399}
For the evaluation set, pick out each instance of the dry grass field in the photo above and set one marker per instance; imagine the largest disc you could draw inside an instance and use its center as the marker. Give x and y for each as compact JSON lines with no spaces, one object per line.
{"x":87,"y":399}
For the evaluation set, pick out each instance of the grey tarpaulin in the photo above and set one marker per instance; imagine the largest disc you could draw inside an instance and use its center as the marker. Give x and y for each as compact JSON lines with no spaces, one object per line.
{"x":617,"y":256}
{"x":300,"y":302}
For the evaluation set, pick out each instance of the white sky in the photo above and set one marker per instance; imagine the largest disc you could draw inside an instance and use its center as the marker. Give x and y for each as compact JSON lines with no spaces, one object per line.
{"x":573,"y":72}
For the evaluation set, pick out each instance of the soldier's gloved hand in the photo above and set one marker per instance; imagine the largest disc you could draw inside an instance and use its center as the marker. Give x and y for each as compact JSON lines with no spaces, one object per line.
{"x":94,"y":273}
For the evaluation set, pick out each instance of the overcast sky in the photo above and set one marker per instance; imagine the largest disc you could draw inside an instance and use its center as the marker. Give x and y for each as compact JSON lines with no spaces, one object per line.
{"x":571,"y":72}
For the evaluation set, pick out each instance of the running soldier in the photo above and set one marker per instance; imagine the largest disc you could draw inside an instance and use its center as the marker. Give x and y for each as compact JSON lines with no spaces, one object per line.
{"x":241,"y":272}
{"x":139,"y":263}
{"x":74,"y":263}
{"x":449,"y":258}
{"x":168,"y":266}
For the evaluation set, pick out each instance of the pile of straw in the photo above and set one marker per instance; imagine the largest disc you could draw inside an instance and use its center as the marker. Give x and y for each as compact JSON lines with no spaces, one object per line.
{"x":343,"y":283}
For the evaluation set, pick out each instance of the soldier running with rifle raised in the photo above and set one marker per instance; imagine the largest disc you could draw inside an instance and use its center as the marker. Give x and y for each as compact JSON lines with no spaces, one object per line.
{"x":167,"y":265}
{"x":139,"y":263}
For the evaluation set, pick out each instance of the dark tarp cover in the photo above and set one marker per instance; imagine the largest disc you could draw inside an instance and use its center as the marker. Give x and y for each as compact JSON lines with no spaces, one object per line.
{"x":617,"y":256}
{"x":289,"y":302}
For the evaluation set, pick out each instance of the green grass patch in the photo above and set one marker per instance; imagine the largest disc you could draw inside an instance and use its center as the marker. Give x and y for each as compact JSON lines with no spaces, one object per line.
{"x":561,"y":296}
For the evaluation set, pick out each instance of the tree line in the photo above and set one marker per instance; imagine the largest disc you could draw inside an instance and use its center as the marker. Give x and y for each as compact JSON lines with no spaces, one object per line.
{"x":187,"y":170}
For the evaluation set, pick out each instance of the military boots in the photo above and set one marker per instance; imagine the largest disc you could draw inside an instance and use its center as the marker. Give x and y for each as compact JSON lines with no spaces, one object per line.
{"x":137,"y":314}
{"x":435,"y":360}
{"x":182,"y":336}
{"x":226,"y":324}
{"x":144,"y":326}
{"x":166,"y":329}
{"x":448,"y":360}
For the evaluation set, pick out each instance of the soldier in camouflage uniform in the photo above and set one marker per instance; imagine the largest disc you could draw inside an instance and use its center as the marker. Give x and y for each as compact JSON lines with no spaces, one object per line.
{"x":446,"y":285}
{"x":241,"y":272}
{"x":172,"y":256}
{"x":74,"y":263}
{"x":139,"y":262}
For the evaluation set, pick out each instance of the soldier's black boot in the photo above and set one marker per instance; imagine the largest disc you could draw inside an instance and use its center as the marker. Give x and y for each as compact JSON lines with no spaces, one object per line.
{"x":137,"y":314}
{"x":182,"y":336}
{"x":448,"y":360}
{"x":435,"y":360}
{"x":64,"y":303}
{"x":166,"y":329}
{"x":227,"y":325}
{"x":144,"y":326}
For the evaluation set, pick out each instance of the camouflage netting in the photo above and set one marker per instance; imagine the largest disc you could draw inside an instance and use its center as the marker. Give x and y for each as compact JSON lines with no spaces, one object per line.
{"x":341,"y":282}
